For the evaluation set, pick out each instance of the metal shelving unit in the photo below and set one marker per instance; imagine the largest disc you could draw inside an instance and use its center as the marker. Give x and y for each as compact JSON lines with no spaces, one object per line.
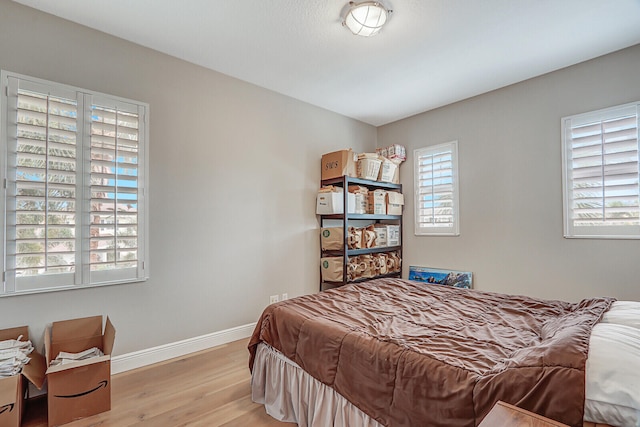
{"x":345,"y":252}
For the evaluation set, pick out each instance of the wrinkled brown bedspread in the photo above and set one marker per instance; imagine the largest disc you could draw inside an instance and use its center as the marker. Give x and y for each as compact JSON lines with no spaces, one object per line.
{"x":413,"y":354}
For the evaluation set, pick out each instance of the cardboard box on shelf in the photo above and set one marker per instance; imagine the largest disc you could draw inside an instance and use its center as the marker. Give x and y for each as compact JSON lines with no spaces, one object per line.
{"x":395,"y":201}
{"x":339,"y":163}
{"x":331,"y":269}
{"x":378,"y":202}
{"x":332,"y":202}
{"x":80,"y":388}
{"x":13,"y":389}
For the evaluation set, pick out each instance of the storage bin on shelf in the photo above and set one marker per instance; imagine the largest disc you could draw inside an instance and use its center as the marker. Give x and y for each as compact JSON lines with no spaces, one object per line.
{"x":330,"y":200}
{"x":368,"y":166}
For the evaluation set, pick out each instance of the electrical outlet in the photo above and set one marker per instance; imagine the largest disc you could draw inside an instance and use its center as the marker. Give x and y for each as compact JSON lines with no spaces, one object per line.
{"x":284,"y":296}
{"x":273,"y":298}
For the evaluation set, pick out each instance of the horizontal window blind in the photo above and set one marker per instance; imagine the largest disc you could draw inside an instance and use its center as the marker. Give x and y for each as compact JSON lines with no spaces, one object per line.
{"x":601,"y":175}
{"x":75,"y":171}
{"x":436,"y":187}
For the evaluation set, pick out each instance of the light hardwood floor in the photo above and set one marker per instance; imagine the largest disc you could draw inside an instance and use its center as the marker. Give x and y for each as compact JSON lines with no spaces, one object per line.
{"x":209,"y":388}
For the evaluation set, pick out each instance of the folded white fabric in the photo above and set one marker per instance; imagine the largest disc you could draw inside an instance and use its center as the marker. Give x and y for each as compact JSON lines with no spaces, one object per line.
{"x":9,"y":344}
{"x":64,"y":357}
{"x":13,"y":356}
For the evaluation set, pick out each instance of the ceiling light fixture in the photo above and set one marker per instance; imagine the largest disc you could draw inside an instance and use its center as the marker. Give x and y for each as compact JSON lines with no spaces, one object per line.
{"x":365,"y":18}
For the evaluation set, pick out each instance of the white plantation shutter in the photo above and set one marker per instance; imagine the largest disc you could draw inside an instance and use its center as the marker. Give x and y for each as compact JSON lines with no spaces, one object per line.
{"x":601,"y":175}
{"x":42,"y":183}
{"x":74,"y":195}
{"x":436,"y":190}
{"x":115,"y":169}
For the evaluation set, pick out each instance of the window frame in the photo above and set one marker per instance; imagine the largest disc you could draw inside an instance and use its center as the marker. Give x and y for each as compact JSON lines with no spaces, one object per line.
{"x":571,"y":231}
{"x":81,"y":277}
{"x":422,"y":230}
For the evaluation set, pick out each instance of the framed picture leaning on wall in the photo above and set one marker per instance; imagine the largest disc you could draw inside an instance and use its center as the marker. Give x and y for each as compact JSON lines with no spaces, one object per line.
{"x":457,"y":279}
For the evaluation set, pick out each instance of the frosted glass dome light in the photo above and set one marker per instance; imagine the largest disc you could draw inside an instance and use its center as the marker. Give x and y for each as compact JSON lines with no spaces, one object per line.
{"x":366,"y":18}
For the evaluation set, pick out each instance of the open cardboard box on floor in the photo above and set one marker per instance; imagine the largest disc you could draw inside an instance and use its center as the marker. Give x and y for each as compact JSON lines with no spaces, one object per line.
{"x":81,"y":388}
{"x":13,"y":389}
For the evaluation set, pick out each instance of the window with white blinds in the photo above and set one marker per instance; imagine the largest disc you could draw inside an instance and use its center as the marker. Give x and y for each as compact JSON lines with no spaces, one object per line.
{"x":436,"y":190}
{"x":74,"y":187}
{"x":600,"y":173}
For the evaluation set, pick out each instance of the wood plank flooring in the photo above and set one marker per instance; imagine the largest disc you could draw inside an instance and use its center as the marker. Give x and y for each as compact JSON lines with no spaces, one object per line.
{"x":209,"y":388}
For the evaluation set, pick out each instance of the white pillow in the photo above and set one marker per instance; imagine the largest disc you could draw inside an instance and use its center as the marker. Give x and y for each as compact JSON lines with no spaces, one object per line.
{"x":623,"y":313}
{"x":613,"y":375}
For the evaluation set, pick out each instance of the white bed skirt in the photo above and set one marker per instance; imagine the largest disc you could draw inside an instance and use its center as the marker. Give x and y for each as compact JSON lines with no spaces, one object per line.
{"x":289,"y":394}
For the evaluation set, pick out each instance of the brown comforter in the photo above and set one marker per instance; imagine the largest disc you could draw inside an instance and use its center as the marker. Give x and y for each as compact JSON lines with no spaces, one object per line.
{"x":413,"y":354}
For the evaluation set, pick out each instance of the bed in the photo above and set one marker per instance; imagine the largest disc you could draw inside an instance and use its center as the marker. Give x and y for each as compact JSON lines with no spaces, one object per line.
{"x":392,"y":352}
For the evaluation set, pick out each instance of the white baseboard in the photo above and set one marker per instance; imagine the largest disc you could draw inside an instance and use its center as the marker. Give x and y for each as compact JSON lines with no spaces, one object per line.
{"x":138,"y":359}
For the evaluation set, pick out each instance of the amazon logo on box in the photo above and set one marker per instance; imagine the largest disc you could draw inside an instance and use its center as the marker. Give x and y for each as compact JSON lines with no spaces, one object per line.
{"x":80,"y":388}
{"x":11,"y":401}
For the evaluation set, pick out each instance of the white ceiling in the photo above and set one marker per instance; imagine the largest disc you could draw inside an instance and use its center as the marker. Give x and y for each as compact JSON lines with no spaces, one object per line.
{"x":430,"y":53}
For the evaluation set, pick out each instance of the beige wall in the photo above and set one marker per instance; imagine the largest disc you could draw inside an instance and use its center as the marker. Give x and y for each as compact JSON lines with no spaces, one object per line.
{"x":510,"y":185}
{"x":234,"y":173}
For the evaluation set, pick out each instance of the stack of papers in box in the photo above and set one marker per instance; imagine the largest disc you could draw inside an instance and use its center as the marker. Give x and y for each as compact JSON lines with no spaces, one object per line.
{"x":13,"y":356}
{"x":64,"y":357}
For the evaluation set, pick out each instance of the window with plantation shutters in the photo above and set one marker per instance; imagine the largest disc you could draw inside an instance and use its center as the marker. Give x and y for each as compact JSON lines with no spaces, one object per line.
{"x":600,"y":174}
{"x":436,"y":190}
{"x":74,"y":181}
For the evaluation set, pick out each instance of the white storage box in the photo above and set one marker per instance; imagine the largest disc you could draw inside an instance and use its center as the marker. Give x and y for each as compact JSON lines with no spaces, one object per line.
{"x":368,"y":166}
{"x":395,"y":201}
{"x":393,"y":235}
{"x":362,"y":202}
{"x":378,"y":202}
{"x":387,"y":171}
{"x":381,"y":234}
{"x":328,"y":203}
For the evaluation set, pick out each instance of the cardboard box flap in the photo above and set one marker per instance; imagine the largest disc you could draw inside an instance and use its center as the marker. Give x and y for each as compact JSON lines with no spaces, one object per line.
{"x":395,"y":198}
{"x":76,"y":328}
{"x":47,"y":345}
{"x":14,"y":333}
{"x":109,"y":337}
{"x":35,"y":370}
